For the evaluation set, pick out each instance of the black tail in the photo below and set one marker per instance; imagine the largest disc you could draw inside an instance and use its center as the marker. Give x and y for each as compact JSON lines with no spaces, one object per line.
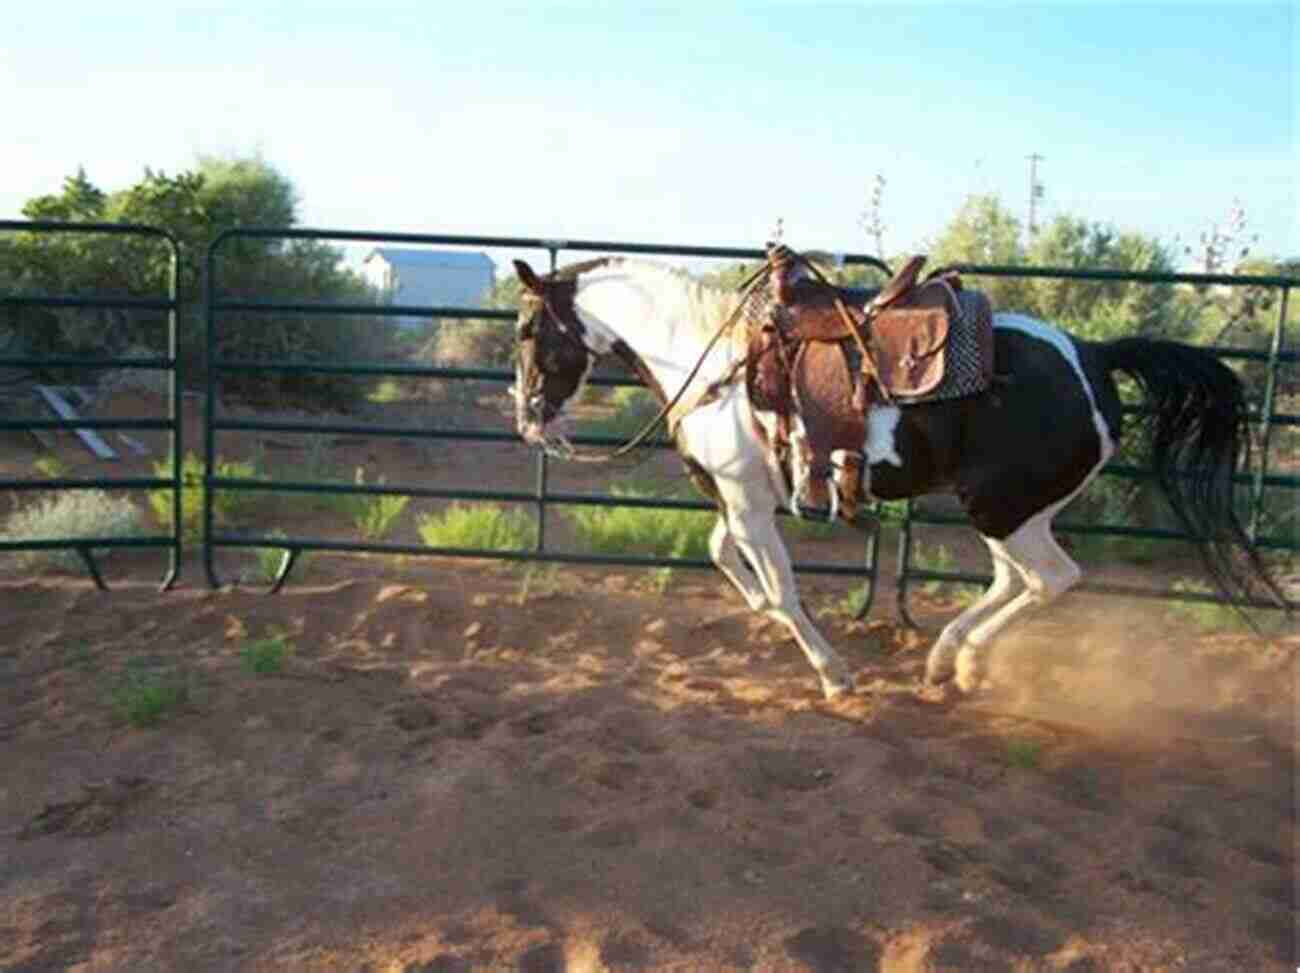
{"x":1200,"y":438}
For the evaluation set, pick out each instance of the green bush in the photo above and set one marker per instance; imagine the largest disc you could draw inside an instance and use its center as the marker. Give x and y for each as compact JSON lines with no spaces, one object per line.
{"x":226,"y":504}
{"x":264,"y":656}
{"x":373,"y":515}
{"x":472,"y":343}
{"x":143,"y":696}
{"x":195,"y":206}
{"x":643,"y":530}
{"x":485,"y":527}
{"x":74,"y":514}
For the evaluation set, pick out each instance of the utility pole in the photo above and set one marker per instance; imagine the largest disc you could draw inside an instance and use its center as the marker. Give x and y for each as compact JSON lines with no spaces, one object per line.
{"x":1035,"y":192}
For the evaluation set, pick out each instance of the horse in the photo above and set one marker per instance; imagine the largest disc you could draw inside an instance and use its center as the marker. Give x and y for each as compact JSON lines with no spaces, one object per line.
{"x":1014,"y":455}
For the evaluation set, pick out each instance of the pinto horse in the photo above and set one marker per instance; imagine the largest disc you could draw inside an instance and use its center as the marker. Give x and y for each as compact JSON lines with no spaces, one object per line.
{"x":1014,"y":456}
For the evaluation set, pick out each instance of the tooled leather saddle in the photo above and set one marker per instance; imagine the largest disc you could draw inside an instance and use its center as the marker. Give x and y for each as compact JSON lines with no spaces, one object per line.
{"x":825,"y":355}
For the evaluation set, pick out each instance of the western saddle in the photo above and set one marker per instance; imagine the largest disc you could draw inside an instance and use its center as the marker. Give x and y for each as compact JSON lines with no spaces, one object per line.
{"x":820,"y":357}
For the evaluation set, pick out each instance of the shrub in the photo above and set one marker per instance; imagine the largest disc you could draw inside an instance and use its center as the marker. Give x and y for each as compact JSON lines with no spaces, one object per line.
{"x":644,"y":530}
{"x":74,"y":513}
{"x":265,"y":562}
{"x":481,"y":527}
{"x":264,"y":656}
{"x":938,"y":559}
{"x":226,"y":504}
{"x":373,"y":515}
{"x":144,"y":696}
{"x":472,"y":343}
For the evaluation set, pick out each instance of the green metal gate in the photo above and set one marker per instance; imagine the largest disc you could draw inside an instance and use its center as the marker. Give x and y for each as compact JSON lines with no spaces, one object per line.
{"x":86,"y":546}
{"x":543,"y":495}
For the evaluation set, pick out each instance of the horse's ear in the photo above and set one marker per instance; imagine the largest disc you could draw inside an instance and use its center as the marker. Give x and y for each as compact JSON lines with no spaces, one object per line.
{"x":527,"y":277}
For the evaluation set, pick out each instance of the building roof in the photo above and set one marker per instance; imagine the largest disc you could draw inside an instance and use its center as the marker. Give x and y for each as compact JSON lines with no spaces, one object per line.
{"x":458,"y":259}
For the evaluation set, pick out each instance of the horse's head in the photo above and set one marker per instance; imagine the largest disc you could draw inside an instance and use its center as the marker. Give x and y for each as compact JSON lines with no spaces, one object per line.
{"x":552,"y":356}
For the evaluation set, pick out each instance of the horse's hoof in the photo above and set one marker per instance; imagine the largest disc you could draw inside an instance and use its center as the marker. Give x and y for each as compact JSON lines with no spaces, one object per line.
{"x":970,"y":674}
{"x":939,"y":675}
{"x":837,"y":687}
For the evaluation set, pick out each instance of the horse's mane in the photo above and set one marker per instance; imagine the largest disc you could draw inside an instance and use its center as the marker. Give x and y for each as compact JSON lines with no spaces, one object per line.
{"x":709,"y":303}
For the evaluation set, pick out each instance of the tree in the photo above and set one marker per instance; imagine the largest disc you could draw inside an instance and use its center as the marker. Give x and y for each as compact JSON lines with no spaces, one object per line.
{"x":1093,"y":308}
{"x":985,"y":232}
{"x":194,"y":206}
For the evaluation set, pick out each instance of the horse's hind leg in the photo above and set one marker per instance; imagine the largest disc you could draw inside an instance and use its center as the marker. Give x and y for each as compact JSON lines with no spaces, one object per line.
{"x":1048,"y":572}
{"x":941,"y":663}
{"x":726,"y":555}
{"x":760,"y":541}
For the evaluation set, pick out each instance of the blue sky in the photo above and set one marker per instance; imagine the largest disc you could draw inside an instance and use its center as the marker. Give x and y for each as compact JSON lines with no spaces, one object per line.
{"x":698,"y":124}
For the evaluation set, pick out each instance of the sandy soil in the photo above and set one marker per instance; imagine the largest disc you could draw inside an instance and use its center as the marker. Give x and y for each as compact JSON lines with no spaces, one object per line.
{"x":457,"y":770}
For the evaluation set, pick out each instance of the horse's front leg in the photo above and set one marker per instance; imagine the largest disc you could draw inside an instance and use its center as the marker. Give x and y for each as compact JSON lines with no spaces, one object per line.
{"x":758,"y":539}
{"x":725,"y":554}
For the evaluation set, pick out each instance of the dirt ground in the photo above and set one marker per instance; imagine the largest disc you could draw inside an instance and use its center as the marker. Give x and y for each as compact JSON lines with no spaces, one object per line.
{"x":460,"y":766}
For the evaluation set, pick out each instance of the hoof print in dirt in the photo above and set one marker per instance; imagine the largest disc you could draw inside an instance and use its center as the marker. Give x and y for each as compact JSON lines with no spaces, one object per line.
{"x":546,"y":958}
{"x":470,"y":726}
{"x":1013,"y":934}
{"x":534,"y":724}
{"x":616,"y":834}
{"x":703,"y":798}
{"x":102,"y":806}
{"x":621,"y":952}
{"x":445,"y":963}
{"x":827,"y":949}
{"x":413,"y":716}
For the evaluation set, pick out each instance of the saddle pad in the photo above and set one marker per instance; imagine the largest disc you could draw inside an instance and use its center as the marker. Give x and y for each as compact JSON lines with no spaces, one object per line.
{"x":968,"y":366}
{"x":908,"y":347}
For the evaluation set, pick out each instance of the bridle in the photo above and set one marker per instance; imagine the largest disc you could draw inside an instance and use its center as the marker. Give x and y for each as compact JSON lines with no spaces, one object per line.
{"x":569,"y":275}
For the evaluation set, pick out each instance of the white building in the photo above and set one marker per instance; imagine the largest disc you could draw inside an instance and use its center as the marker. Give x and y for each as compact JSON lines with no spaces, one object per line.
{"x":431,"y":278}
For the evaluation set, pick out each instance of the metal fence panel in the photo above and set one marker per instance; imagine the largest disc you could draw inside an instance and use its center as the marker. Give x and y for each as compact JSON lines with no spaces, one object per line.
{"x":86,"y":546}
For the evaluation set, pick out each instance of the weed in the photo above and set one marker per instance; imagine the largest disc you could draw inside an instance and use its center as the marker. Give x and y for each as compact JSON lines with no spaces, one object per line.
{"x":50,"y":467}
{"x":267,"y":560}
{"x":809,"y":530}
{"x":646,"y":530}
{"x":538,"y":582}
{"x":485,"y":527}
{"x":1024,"y":754}
{"x":388,"y":390}
{"x":373,"y":515}
{"x":144,"y":695}
{"x":660,"y":579}
{"x":226,"y":504}
{"x":1208,"y":616}
{"x":849,"y":604}
{"x":71,"y":514}
{"x":940,"y":560}
{"x":265,"y":656}
{"x":890,"y":511}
